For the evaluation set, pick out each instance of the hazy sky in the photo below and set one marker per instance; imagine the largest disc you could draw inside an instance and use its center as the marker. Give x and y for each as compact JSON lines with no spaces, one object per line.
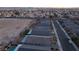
{"x":39,"y":3}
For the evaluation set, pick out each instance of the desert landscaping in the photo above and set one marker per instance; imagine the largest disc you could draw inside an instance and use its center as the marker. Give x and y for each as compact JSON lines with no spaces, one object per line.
{"x":10,"y":30}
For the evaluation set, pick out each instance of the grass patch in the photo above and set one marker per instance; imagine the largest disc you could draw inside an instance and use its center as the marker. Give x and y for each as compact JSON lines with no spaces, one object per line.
{"x":76,"y":40}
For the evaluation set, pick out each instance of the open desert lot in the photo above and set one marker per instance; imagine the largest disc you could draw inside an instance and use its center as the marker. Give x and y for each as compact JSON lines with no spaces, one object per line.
{"x":11,"y":28}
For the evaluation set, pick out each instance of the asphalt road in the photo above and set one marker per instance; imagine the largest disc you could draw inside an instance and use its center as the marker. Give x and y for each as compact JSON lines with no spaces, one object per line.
{"x":66,"y":45}
{"x":42,"y":29}
{"x":38,"y":39}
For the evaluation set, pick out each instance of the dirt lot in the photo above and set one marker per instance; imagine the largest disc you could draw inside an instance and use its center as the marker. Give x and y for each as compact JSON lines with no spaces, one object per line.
{"x":10,"y":28}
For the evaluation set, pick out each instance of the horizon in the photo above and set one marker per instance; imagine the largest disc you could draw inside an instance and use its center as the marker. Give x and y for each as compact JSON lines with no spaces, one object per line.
{"x":40,"y":3}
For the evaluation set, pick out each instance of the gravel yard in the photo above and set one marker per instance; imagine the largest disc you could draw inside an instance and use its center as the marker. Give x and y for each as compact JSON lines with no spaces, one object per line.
{"x":11,"y":28}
